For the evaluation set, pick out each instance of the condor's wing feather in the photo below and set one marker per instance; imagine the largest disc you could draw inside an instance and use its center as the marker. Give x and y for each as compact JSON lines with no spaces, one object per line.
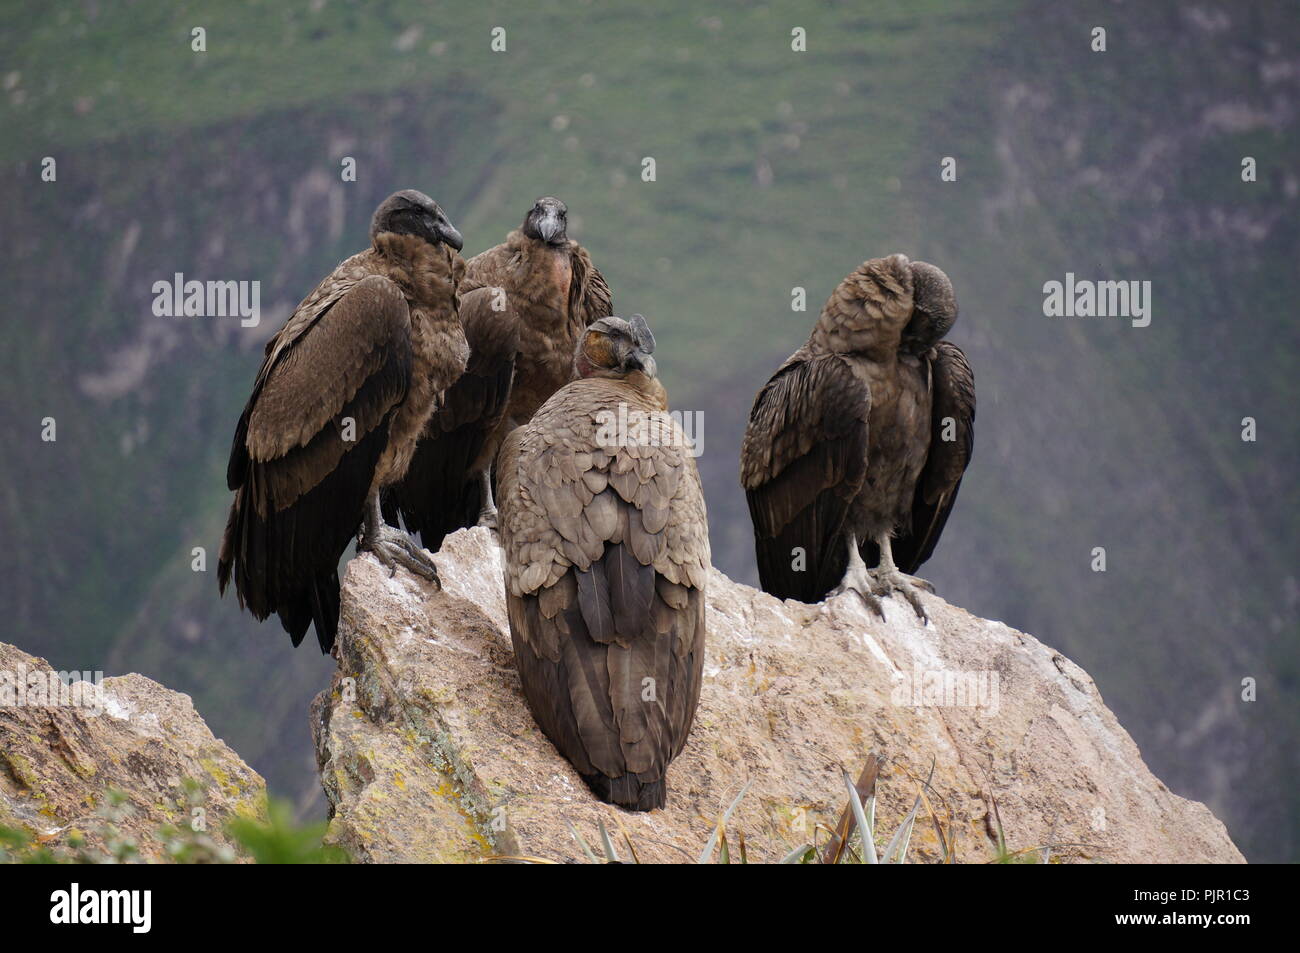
{"x":305,"y":452}
{"x":355,"y":351}
{"x":952,"y":415}
{"x":803,"y":460}
{"x":441,"y":492}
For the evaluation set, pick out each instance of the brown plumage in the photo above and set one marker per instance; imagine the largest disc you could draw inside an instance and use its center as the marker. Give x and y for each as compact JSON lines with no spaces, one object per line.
{"x":345,"y":388}
{"x":447,"y":482}
{"x":856,"y":447}
{"x":524,"y":303}
{"x":606,"y":555}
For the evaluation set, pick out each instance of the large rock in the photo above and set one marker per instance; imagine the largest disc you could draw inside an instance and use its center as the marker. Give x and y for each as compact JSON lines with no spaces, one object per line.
{"x":428,"y":752}
{"x":60,"y":756}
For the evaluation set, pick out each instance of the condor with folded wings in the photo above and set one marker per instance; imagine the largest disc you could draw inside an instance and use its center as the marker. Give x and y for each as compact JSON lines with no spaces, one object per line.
{"x":856,"y":447}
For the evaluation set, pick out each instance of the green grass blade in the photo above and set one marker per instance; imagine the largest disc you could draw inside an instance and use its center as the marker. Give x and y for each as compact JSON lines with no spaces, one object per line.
{"x":896,"y":851}
{"x":797,"y":855}
{"x":611,"y":855}
{"x":581,"y":843}
{"x":722,"y":822}
{"x":864,"y":824}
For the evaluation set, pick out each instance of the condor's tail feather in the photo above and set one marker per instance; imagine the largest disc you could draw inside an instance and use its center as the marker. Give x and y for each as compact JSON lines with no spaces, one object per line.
{"x":628,"y":791}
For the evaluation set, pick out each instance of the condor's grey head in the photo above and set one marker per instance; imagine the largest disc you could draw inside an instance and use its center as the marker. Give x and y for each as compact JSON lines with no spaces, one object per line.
{"x":934,"y":309}
{"x":613,"y":347}
{"x":410,"y":212}
{"x":547,"y":221}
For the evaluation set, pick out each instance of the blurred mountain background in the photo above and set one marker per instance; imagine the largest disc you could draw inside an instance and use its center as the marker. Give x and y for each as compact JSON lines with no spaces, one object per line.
{"x":775,"y":169}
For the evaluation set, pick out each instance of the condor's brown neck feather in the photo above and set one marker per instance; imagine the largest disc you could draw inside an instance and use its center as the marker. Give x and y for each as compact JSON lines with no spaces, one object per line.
{"x":556,"y":291}
{"x":429,"y":276}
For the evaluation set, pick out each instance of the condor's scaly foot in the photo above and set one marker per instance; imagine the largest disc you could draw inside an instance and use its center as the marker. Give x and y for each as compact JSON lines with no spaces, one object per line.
{"x":394,"y":548}
{"x":858,"y":579}
{"x":883,"y":581}
{"x":876,"y":584}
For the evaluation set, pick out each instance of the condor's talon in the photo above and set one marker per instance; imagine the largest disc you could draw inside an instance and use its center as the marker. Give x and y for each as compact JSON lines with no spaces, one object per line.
{"x":919,"y":583}
{"x":885,"y":580}
{"x":874,"y":584}
{"x":864,"y":590}
{"x":901,"y":583}
{"x":393,"y":548}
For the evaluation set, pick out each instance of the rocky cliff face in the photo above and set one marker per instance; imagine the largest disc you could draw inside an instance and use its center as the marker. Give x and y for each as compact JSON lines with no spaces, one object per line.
{"x":428,"y":753}
{"x":64,"y":749}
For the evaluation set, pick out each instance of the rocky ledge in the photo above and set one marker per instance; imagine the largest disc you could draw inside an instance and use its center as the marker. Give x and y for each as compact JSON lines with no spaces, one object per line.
{"x":428,"y":753}
{"x":122,"y":759}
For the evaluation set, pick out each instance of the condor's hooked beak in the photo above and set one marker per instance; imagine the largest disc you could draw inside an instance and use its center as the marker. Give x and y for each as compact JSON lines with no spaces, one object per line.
{"x":550,"y":226}
{"x":447,"y":232}
{"x":639,"y":360}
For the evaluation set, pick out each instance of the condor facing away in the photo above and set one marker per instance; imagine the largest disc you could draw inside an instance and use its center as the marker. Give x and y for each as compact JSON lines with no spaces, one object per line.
{"x":606,"y":553}
{"x":345,"y":389}
{"x":524,"y":304}
{"x":856,"y":447}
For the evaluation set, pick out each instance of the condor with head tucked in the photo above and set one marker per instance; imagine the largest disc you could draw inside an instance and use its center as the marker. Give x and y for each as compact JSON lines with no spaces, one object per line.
{"x":344,"y":391}
{"x":856,"y":447}
{"x":606,"y":555}
{"x":524,"y":304}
